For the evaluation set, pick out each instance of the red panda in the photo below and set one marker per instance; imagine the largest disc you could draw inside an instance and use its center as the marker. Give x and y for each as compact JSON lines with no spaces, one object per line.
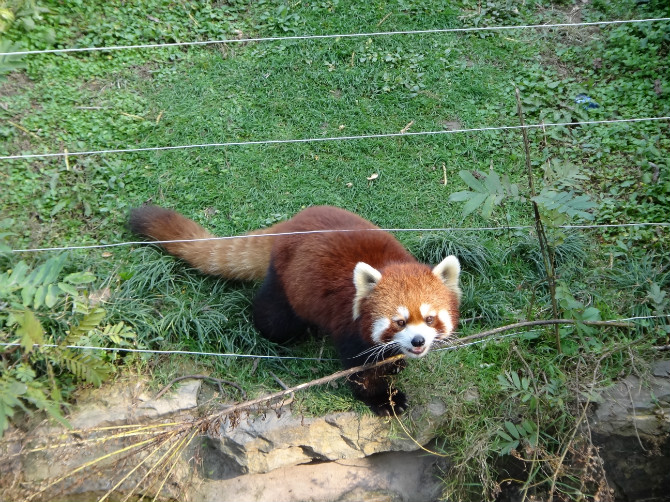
{"x":359,"y":285}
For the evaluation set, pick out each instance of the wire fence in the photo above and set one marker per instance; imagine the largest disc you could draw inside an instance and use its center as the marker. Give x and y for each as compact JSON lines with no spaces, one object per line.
{"x":335,"y":138}
{"x":329,"y":231}
{"x":454,"y":346}
{"x":287,"y":38}
{"x":66,"y":154}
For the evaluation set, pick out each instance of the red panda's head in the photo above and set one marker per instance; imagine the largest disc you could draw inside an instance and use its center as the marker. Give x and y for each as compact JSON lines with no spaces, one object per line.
{"x":407,"y":304}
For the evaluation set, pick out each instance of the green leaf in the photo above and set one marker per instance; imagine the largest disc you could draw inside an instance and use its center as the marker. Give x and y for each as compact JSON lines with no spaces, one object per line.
{"x":476,"y":201}
{"x":505,"y":436}
{"x":56,"y":209}
{"x":30,"y":330}
{"x":18,"y":273}
{"x":51,"y":298}
{"x":27,"y":294}
{"x":565,"y":203}
{"x":40,"y":295}
{"x":472,"y":182}
{"x":492,"y":182}
{"x":528,"y":426}
{"x":90,"y":321}
{"x":79,"y":278}
{"x":68,"y":288}
{"x":511,"y":428}
{"x":460,"y":196}
{"x":85,"y":366}
{"x":54,"y":268}
{"x":487,"y":208}
{"x":591,"y":314}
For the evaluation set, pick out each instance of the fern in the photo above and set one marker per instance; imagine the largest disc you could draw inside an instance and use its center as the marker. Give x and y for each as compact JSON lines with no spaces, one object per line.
{"x":84,"y":366}
{"x":89,"y":322}
{"x":33,"y":301}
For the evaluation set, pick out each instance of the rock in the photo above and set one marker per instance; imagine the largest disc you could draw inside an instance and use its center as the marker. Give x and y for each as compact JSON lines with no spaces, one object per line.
{"x":122,"y":404}
{"x":338,"y":457}
{"x":384,"y":477}
{"x":58,"y":453}
{"x":272,"y":441}
{"x":631,"y":427}
{"x":634,"y":407}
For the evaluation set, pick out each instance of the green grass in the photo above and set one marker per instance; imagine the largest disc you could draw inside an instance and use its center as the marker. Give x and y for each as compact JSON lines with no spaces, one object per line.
{"x":347,"y":87}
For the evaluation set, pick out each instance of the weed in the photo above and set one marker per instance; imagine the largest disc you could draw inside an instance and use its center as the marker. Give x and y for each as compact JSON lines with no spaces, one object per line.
{"x":40,"y":306}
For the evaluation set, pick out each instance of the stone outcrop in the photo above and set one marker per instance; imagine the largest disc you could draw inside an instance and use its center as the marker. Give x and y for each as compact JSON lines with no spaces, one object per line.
{"x":631,"y":426}
{"x":335,"y":457}
{"x":273,"y":440}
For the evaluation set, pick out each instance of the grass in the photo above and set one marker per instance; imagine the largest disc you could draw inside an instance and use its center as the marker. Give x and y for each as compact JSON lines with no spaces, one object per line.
{"x":347,"y":87}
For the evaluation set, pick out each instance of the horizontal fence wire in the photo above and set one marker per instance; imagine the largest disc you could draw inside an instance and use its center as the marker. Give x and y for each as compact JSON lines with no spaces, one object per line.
{"x":257,"y":356}
{"x":329,"y":231}
{"x":333,"y":36}
{"x":332,"y":138}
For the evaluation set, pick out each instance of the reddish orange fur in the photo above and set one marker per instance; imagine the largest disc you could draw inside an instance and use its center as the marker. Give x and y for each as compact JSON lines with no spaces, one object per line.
{"x":310,"y":282}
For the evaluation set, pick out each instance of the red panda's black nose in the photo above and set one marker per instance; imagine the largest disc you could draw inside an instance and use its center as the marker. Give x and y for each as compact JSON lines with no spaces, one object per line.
{"x":418,"y":341}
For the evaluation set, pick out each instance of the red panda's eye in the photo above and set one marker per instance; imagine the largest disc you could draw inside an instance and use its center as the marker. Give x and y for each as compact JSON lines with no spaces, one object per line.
{"x":430,"y":319}
{"x":400,"y":322}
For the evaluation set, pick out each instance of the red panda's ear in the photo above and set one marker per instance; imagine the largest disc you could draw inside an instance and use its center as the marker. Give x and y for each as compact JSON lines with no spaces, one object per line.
{"x":365,"y":280}
{"x":448,"y":271}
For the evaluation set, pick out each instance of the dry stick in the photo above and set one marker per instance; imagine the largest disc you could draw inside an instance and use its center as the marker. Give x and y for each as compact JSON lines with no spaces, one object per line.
{"x":547,"y":255}
{"x":150,"y":470}
{"x":137,"y":466}
{"x":526,"y":485}
{"x":178,"y":450}
{"x":197,"y":425}
{"x":545,"y":322}
{"x":89,"y":464}
{"x":81,"y":442}
{"x":302,"y":386}
{"x":364,"y":367}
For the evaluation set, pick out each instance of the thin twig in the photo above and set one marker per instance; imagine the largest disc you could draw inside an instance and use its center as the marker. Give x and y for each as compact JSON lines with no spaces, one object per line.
{"x":575,"y":429}
{"x":313,"y":383}
{"x":546,"y":322}
{"x":283,"y":386}
{"x":545,"y":249}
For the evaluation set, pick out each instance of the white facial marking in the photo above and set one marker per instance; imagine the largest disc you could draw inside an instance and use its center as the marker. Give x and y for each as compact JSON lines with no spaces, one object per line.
{"x":444,"y":316}
{"x":405,"y":337}
{"x":424,"y":309}
{"x":403,"y":312}
{"x":378,"y":329}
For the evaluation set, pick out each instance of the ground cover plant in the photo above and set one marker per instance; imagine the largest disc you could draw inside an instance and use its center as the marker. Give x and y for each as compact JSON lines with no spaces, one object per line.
{"x":279,"y":90}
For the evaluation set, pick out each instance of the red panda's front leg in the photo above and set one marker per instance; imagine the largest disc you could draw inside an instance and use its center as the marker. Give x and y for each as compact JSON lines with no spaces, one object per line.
{"x":374,"y":387}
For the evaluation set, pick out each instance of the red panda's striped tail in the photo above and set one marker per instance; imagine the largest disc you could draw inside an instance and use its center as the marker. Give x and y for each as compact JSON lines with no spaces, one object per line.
{"x":245,"y":258}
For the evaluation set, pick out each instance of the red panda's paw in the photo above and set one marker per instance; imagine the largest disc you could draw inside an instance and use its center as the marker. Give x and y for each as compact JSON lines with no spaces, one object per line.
{"x":388,"y":406}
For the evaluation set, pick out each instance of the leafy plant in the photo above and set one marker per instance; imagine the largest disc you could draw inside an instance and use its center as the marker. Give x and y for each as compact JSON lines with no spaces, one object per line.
{"x":43,"y":314}
{"x":514,"y":434}
{"x":486,"y":192}
{"x":10,"y":63}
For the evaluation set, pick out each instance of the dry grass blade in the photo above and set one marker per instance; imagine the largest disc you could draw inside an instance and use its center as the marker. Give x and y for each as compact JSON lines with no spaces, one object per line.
{"x":138,"y":431}
{"x":179,"y":449}
{"x":140,"y":464}
{"x":89,"y":464}
{"x":159,"y":462}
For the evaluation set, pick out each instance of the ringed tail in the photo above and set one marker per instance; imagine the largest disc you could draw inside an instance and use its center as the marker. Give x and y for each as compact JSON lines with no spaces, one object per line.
{"x":244,"y":258}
